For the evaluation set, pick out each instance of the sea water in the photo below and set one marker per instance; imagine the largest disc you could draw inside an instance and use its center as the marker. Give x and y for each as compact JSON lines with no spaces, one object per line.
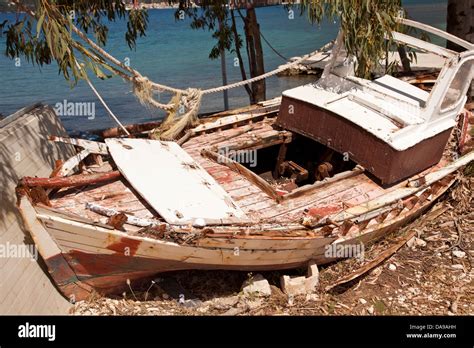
{"x":174,"y":54}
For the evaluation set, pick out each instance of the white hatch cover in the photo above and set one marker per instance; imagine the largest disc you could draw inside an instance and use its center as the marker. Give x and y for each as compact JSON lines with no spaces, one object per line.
{"x":178,"y":188}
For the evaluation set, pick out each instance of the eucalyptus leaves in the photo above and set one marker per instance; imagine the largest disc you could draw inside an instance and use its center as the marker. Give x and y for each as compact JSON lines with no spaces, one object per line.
{"x":365,"y":24}
{"x":44,"y":32}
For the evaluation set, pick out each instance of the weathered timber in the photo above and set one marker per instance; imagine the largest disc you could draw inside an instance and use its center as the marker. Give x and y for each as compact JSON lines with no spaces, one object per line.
{"x":237,"y":167}
{"x":92,"y":146}
{"x":71,"y":181}
{"x":131,"y":220}
{"x":232,"y":121}
{"x":132,"y":129}
{"x":307,"y":189}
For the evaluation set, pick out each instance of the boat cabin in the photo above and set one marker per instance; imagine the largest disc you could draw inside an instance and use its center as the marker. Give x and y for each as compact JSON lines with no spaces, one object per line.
{"x":388,"y":126}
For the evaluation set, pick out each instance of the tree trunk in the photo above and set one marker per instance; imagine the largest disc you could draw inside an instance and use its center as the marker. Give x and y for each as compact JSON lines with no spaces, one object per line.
{"x":460,"y":22}
{"x":255,"y":52}
{"x":404,"y":58}
{"x":239,"y":54}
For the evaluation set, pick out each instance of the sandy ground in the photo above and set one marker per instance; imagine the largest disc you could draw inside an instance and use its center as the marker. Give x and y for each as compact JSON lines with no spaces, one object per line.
{"x":432,"y":275}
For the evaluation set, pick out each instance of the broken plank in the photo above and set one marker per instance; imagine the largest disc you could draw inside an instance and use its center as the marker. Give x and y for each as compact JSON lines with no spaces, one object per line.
{"x":251,"y":176}
{"x":92,"y":146}
{"x":131,"y":220}
{"x":307,"y":189}
{"x":67,"y":167}
{"x":70,"y":181}
{"x":230,"y":121}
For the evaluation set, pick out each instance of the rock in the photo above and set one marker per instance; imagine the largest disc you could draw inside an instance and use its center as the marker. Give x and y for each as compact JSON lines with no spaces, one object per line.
{"x":370,"y":310}
{"x":457,"y":266}
{"x":361,"y":300}
{"x":459,"y":254}
{"x":392,"y":267}
{"x":312,"y":297}
{"x":257,"y":285}
{"x":234,"y":311}
{"x":301,"y":285}
{"x":225,"y":302}
{"x":254,"y":304}
{"x":191,"y":303}
{"x":419,"y":242}
{"x":416,"y":242}
{"x":454,"y":307}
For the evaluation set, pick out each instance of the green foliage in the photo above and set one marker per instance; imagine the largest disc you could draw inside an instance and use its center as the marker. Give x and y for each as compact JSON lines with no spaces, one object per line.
{"x":43,"y":32}
{"x":213,"y":16}
{"x":365,"y":24}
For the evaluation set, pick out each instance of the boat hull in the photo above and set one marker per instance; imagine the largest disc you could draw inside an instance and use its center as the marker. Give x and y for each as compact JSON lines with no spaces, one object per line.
{"x":84,"y":258}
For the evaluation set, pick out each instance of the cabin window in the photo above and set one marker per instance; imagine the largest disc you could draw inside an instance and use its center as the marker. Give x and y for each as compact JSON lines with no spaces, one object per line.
{"x":458,"y":86}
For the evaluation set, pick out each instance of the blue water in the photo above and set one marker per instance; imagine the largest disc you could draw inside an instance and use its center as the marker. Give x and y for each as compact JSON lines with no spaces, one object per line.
{"x":174,"y":54}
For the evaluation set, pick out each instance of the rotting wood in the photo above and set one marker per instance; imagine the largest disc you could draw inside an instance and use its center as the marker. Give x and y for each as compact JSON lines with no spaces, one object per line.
{"x":237,"y":167}
{"x":68,"y":166}
{"x":436,"y":211}
{"x":132,"y":129}
{"x":241,"y":131}
{"x":92,"y":146}
{"x":404,"y":192}
{"x":375,"y":262}
{"x":57,"y":167}
{"x":277,"y":171}
{"x":117,"y":221}
{"x":70,"y":181}
{"x":184,"y":138}
{"x":230,"y":121}
{"x":304,"y":190}
{"x":131,"y":220}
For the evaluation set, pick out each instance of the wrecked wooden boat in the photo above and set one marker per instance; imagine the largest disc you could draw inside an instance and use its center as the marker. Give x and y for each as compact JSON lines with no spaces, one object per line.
{"x":259,"y":190}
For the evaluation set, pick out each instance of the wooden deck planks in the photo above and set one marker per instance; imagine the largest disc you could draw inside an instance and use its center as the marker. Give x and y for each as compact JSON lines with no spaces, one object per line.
{"x":247,"y":196}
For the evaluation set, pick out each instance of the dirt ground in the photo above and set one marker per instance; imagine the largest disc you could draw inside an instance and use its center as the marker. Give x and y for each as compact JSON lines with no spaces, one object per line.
{"x":431,"y":275}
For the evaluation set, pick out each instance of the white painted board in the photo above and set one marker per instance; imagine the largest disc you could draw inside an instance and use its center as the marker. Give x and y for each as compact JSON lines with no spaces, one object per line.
{"x":177,"y":187}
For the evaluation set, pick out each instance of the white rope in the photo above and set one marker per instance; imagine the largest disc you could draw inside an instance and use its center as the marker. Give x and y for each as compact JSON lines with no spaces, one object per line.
{"x":248,"y":81}
{"x":266,"y":75}
{"x":103,"y":102}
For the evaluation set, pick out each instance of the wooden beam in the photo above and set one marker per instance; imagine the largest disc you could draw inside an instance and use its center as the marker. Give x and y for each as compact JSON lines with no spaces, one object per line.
{"x":68,"y":166}
{"x":261,"y":143}
{"x":301,"y":191}
{"x":184,"y":138}
{"x":132,"y":128}
{"x":131,"y":220}
{"x":240,"y":169}
{"x":230,"y":121}
{"x":91,"y":146}
{"x":277,"y":171}
{"x":70,"y":181}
